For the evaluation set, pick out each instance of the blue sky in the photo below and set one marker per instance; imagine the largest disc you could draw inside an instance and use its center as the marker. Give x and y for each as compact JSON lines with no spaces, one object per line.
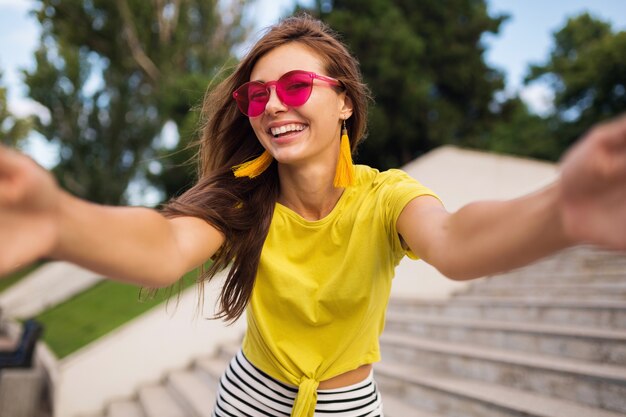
{"x":525,"y":38}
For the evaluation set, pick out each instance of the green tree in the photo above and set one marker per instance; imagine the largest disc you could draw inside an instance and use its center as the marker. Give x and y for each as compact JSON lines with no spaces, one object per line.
{"x":12,"y":128}
{"x":423,"y":61}
{"x":520,"y":132}
{"x":587,"y":71}
{"x":112,"y":73}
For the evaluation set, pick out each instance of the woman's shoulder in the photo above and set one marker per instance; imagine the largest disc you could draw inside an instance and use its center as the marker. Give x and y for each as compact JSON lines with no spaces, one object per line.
{"x":368,"y":176}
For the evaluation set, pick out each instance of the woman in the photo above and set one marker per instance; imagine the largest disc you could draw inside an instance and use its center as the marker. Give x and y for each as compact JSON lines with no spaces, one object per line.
{"x":312,"y":240}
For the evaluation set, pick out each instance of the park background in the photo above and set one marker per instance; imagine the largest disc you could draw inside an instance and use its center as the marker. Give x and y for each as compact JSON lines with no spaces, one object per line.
{"x":105,"y":94}
{"x":523,"y":78}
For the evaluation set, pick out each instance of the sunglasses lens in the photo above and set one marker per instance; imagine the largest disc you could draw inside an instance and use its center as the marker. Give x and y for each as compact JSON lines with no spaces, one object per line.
{"x":252,"y":98}
{"x":257,"y":99}
{"x":294,"y":88}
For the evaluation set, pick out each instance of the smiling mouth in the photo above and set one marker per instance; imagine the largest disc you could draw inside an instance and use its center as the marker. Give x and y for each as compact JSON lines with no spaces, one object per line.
{"x":285,"y":130}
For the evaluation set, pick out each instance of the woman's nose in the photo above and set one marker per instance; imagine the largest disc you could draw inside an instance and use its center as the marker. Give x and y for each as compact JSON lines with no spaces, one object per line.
{"x":274,"y":104}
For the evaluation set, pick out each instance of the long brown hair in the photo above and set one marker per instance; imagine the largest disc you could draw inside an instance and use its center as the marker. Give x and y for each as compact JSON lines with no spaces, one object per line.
{"x":242,"y":208}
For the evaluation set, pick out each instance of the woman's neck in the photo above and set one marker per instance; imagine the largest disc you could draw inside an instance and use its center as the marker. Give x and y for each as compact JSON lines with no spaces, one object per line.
{"x":309,"y":190}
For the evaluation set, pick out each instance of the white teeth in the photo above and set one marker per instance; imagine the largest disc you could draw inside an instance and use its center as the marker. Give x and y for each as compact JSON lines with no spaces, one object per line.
{"x":286,"y":128}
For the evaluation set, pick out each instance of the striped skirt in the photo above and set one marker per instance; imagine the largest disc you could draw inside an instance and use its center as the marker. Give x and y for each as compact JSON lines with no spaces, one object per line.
{"x":245,"y":391}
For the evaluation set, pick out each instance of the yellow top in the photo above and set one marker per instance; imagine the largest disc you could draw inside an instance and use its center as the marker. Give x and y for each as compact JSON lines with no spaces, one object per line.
{"x":318,"y":305}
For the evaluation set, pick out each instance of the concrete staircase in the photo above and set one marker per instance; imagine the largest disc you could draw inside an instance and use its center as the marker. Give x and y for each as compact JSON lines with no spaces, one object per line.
{"x":191,"y":393}
{"x":545,"y":341}
{"x":183,"y":393}
{"x":45,"y":287}
{"x":548,"y":340}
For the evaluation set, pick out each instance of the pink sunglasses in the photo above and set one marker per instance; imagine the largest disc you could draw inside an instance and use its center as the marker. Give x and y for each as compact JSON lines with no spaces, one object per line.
{"x":293,"y":89}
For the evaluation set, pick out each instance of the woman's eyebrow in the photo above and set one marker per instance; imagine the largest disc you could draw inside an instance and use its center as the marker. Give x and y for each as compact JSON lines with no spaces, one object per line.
{"x":263,"y":81}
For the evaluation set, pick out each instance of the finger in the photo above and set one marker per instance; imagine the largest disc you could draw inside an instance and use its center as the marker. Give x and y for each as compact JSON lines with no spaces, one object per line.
{"x":619,"y":163}
{"x":613,"y":132}
{"x":9,"y":168}
{"x":9,"y":160}
{"x":10,"y":263}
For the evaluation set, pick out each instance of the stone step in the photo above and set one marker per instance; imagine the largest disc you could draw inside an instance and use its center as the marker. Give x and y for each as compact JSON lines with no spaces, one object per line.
{"x":192,"y":392}
{"x":602,"y":314}
{"x":228,"y":351}
{"x":608,"y":263}
{"x":591,"y":384}
{"x":580,"y":260}
{"x":125,"y":408}
{"x":613,"y":266}
{"x":566,"y":271}
{"x":530,"y":295}
{"x":592,"y":256}
{"x":608,"y":276}
{"x":514,"y":288}
{"x":454,"y":396}
{"x":502,"y":282}
{"x":211,"y":369}
{"x":576,"y":262}
{"x":396,"y":407}
{"x":584,"y":343}
{"x":157,"y":401}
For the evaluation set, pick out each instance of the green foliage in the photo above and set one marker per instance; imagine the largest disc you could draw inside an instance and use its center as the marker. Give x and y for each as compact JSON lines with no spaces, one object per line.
{"x":97,"y":311}
{"x":112,"y":73}
{"x":587,"y":71}
{"x":12,"y":128}
{"x":424,"y":62}
{"x":522,"y":133}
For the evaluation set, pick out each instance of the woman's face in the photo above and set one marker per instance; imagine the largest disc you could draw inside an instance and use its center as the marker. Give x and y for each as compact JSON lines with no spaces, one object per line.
{"x":313,"y":128}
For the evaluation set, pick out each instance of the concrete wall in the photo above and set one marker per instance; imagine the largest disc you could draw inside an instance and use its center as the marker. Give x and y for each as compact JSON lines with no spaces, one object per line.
{"x":459,"y":177}
{"x":47,"y":286}
{"x":140,"y":352}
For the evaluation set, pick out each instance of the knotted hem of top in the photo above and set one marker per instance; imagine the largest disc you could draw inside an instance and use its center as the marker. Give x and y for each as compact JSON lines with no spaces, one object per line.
{"x":306,"y":399}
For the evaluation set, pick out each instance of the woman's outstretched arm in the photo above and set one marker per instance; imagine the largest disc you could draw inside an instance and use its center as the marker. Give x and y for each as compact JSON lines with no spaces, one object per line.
{"x":130,"y":244}
{"x":587,"y":204}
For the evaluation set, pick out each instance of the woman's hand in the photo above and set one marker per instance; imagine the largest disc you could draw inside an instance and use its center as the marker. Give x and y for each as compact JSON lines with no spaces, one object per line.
{"x":593,"y":187}
{"x":586,"y":205}
{"x":29,"y":199}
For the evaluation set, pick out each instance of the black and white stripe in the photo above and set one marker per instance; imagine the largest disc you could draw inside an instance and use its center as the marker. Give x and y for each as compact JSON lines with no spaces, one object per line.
{"x":245,"y":391}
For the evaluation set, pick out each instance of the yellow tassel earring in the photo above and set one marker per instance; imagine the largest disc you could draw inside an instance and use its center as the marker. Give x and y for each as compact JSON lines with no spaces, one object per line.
{"x":344,"y":176}
{"x":255,"y":167}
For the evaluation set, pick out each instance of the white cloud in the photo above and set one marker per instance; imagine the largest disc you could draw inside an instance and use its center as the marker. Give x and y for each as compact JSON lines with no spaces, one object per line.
{"x":141,"y":193}
{"x":539,"y":98}
{"x":169,"y":135}
{"x":23,"y":107}
{"x":16,"y":4}
{"x":45,"y":153}
{"x":24,"y":39}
